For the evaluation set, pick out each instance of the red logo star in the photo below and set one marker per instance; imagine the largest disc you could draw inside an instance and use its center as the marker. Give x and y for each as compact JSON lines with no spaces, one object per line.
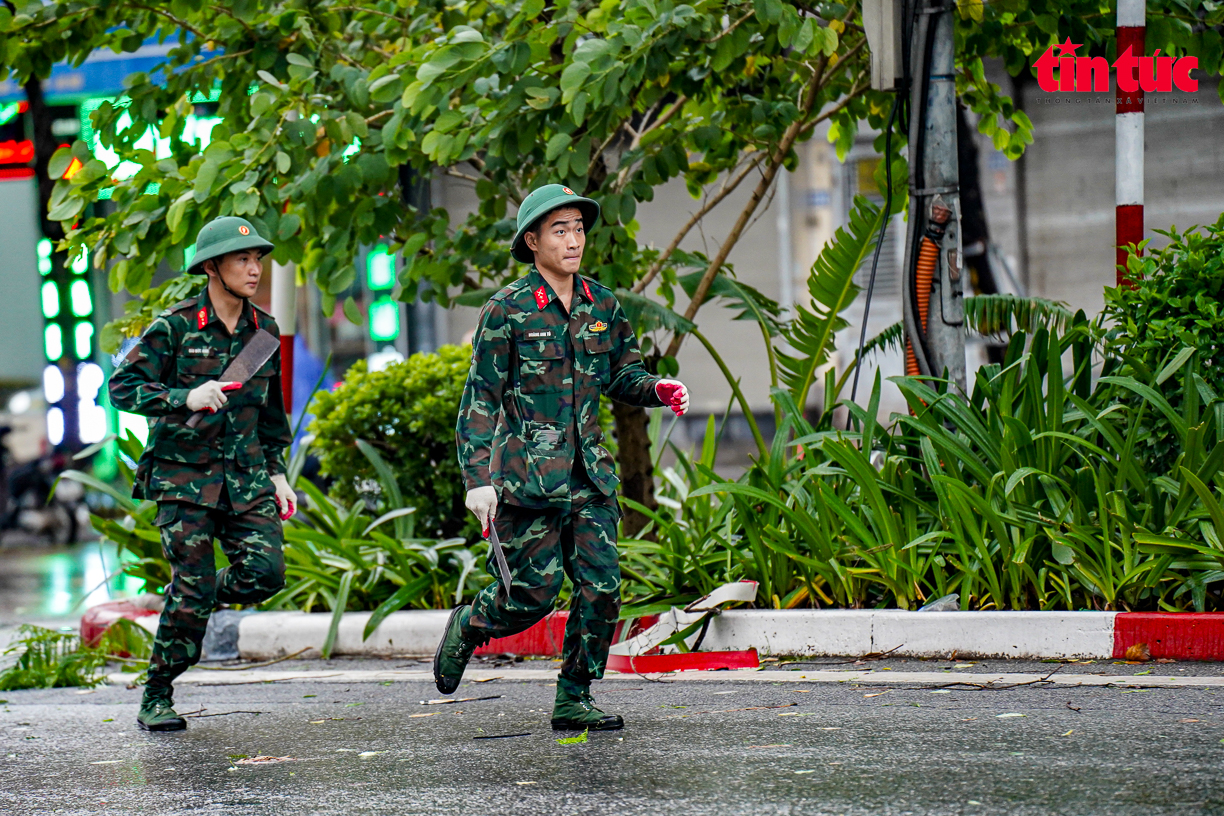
{"x":1067,"y":48}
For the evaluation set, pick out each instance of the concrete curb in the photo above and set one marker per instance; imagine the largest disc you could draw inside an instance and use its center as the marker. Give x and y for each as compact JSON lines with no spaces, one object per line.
{"x":1034,"y":635}
{"x":942,"y":679}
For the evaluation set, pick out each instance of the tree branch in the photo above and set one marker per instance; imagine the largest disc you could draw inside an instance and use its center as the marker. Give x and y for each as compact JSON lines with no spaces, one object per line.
{"x":666,"y":116}
{"x":359,"y":10}
{"x":731,"y":27}
{"x":456,"y":174}
{"x":758,"y":193}
{"x":712,"y":202}
{"x":855,"y":92}
{"x":602,"y":147}
{"x":622,"y":177}
{"x":179,"y":23}
{"x":207,"y":63}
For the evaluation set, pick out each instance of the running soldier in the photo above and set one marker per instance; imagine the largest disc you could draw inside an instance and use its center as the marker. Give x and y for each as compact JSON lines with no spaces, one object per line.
{"x":224,"y":479}
{"x":545,"y":348}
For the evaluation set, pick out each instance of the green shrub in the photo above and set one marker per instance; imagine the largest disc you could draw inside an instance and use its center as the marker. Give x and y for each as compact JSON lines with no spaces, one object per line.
{"x":1174,"y":310}
{"x":407,"y":412}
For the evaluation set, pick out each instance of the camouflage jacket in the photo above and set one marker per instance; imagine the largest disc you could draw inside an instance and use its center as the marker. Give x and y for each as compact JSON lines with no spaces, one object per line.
{"x":535,"y":382}
{"x":241,"y":446}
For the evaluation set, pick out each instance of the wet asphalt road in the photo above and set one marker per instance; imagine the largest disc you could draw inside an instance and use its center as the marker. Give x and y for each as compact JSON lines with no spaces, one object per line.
{"x":691,"y":748}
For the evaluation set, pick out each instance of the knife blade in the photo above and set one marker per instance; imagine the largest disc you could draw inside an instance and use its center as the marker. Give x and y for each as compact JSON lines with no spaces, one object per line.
{"x":499,"y":555}
{"x":252,"y":357}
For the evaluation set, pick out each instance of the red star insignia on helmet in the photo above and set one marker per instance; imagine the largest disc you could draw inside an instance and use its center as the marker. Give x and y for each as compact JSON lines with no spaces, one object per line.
{"x":202,"y":318}
{"x":541,"y":296}
{"x":244,"y":229}
{"x":568,"y":191}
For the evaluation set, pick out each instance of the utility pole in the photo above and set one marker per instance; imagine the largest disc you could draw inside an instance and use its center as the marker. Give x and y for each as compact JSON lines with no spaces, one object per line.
{"x":934,"y":289}
{"x":1128,"y":150}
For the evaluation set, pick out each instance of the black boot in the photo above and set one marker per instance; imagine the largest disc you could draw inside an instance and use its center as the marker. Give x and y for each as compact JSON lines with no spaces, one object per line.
{"x":157,"y":710}
{"x":575,"y":710}
{"x":454,"y":652}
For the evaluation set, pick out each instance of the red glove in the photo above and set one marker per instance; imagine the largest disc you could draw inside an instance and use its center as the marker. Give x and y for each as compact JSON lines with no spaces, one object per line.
{"x":674,"y":395}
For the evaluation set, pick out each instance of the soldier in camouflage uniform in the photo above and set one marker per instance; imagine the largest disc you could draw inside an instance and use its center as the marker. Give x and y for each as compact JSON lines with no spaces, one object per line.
{"x":224,"y":479}
{"x":528,"y":434}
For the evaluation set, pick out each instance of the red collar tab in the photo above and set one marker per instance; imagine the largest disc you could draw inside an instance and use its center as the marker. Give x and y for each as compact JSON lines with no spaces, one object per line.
{"x":541,"y":296}
{"x":202,"y":317}
{"x":587,"y":289}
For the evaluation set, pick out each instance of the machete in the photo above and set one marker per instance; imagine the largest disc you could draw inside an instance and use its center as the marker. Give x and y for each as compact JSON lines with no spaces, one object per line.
{"x":257,"y":352}
{"x":500,"y":556}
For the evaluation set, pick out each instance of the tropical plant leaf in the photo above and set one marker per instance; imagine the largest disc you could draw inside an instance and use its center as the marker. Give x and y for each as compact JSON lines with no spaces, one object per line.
{"x":646,"y":315}
{"x":751,"y":303}
{"x":832,"y":289}
{"x":1002,"y":314}
{"x":890,"y":339}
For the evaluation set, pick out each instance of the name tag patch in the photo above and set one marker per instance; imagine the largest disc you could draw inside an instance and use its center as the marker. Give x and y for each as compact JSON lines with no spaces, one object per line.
{"x":198,"y":352}
{"x":599,"y":326}
{"x":539,"y":334}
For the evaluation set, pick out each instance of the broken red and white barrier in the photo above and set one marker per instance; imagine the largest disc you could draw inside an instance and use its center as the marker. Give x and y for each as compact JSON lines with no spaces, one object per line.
{"x":659,"y":649}
{"x":143,"y":610}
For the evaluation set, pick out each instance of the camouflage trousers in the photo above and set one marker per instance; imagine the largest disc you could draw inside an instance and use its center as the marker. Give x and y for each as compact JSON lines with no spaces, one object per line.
{"x":252,"y":541}
{"x":542,"y":547}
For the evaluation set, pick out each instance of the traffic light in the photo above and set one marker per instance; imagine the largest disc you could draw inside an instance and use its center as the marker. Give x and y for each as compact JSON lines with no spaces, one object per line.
{"x":384,"y":317}
{"x":71,"y":380}
{"x":384,"y":320}
{"x":380,"y":269}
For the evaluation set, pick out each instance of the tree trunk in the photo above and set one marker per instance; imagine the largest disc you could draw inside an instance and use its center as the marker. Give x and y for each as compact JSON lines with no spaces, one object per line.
{"x":636,"y":469}
{"x":44,"y":147}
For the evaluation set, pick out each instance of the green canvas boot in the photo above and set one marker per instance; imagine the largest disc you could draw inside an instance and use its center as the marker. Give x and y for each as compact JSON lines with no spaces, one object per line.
{"x":157,"y":712}
{"x":454,"y":652}
{"x":575,"y":710}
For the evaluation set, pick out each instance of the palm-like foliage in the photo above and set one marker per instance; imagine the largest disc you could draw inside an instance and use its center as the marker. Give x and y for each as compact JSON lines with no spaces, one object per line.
{"x":832,"y":289}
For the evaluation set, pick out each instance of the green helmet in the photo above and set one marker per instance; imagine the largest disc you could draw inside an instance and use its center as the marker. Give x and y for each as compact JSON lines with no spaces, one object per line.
{"x":229,"y":233}
{"x":539,"y":203}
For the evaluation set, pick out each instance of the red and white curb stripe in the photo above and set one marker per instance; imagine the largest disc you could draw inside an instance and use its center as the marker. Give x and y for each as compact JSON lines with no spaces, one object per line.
{"x":1128,"y":170}
{"x":1034,"y":635}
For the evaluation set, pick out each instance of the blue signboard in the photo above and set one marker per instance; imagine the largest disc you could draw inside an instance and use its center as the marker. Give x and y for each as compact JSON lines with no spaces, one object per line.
{"x":101,"y":75}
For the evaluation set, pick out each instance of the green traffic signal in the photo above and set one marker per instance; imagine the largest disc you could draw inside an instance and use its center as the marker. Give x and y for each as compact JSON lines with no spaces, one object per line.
{"x":380,"y":268}
{"x":384,"y":319}
{"x":53,"y":341}
{"x":83,"y":337}
{"x":82,"y":302}
{"x":50,"y":300}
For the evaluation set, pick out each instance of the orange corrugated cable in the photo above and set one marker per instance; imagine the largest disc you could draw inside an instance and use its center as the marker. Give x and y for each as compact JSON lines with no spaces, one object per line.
{"x":928,"y":257}
{"x":924,"y":274}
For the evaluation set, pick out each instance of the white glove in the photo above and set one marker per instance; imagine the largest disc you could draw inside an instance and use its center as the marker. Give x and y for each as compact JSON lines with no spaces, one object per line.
{"x":483,"y":502}
{"x":674,"y":395}
{"x":286,"y":499}
{"x":210,"y":396}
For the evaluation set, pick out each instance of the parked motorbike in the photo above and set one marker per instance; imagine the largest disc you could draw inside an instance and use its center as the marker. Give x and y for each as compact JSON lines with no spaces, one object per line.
{"x":26,"y":500}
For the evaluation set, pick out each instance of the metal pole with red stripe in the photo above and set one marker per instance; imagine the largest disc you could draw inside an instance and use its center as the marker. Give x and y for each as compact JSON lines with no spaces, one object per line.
{"x":1132,"y":19}
{"x":284,"y":311}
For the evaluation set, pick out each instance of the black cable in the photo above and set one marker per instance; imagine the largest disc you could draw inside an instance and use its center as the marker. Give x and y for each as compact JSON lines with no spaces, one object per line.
{"x":875,"y":260}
